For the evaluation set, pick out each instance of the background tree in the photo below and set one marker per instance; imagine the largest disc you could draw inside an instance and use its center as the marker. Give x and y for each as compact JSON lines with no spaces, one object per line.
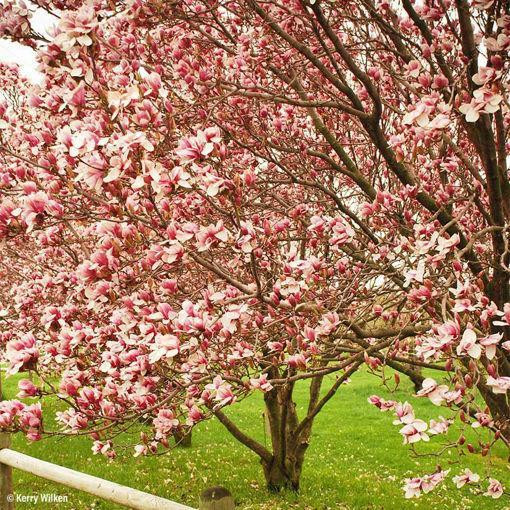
{"x":229,"y":196}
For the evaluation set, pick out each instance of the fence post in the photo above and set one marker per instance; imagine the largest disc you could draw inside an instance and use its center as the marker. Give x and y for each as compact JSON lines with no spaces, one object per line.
{"x":216,"y":498}
{"x":6,"y":491}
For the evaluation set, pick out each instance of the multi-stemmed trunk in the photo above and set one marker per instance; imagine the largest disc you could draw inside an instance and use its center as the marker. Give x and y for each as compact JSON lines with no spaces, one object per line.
{"x":282,"y":461}
{"x":289,"y":440}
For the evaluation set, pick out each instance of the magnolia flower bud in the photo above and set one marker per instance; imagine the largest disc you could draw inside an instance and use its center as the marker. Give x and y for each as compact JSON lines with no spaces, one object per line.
{"x":457,"y":265}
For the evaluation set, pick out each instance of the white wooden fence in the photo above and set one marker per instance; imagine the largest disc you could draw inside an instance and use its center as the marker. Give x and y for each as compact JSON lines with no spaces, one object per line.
{"x":104,"y":489}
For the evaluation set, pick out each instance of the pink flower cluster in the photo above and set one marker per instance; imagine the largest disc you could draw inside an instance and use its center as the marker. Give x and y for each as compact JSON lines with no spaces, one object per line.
{"x":15,"y":415}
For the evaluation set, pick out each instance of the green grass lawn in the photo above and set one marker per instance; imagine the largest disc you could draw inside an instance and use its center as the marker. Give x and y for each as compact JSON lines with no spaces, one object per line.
{"x":356,"y":460}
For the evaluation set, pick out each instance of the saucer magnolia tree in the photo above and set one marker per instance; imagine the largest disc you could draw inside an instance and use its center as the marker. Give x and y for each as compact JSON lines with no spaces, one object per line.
{"x":221,"y":197}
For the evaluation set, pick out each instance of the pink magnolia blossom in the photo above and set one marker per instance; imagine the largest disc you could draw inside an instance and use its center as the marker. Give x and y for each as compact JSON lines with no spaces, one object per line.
{"x":27,"y":389}
{"x":404,"y":413}
{"x":220,"y":391}
{"x":75,"y":28}
{"x":433,"y":346}
{"x":199,"y":146}
{"x":433,"y":391}
{"x":505,"y":315}
{"x":482,"y":420}
{"x":415,"y":487}
{"x":484,"y":101}
{"x":466,"y":477}
{"x":499,"y":384}
{"x":102,"y":447}
{"x":166,"y":346}
{"x":165,"y":422}
{"x":261,"y":383}
{"x":140,"y":449}
{"x":9,"y":410}
{"x":30,"y":420}
{"x":499,"y":43}
{"x":482,"y":4}
{"x":383,"y":405}
{"x":22,"y":353}
{"x":495,"y":489}
{"x":469,"y":345}
{"x":414,"y":432}
{"x":297,"y":361}
{"x":210,"y":235}
{"x":415,"y":274}
{"x":36,"y":205}
{"x":194,"y":415}
{"x":484,"y":75}
{"x":490,"y":343}
{"x":439,"y":427}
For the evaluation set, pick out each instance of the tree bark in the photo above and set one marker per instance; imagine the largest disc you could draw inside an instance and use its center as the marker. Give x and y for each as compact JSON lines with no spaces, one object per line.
{"x":283,"y":470}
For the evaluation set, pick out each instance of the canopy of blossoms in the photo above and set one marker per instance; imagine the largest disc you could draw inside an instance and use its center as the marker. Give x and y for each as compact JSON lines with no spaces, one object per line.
{"x":207,"y":198}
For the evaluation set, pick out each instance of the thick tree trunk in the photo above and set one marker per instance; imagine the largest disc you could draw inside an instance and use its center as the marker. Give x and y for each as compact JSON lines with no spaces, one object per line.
{"x":280,"y":476}
{"x":289,"y":440}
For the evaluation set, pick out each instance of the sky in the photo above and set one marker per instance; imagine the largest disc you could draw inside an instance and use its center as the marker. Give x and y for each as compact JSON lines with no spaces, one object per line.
{"x":22,"y":55}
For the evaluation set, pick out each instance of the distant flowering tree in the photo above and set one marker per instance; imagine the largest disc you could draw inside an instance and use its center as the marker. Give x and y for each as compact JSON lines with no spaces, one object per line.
{"x":207,"y":198}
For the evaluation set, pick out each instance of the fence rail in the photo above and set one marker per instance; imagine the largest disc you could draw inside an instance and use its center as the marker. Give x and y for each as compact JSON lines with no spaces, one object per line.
{"x":99,"y":487}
